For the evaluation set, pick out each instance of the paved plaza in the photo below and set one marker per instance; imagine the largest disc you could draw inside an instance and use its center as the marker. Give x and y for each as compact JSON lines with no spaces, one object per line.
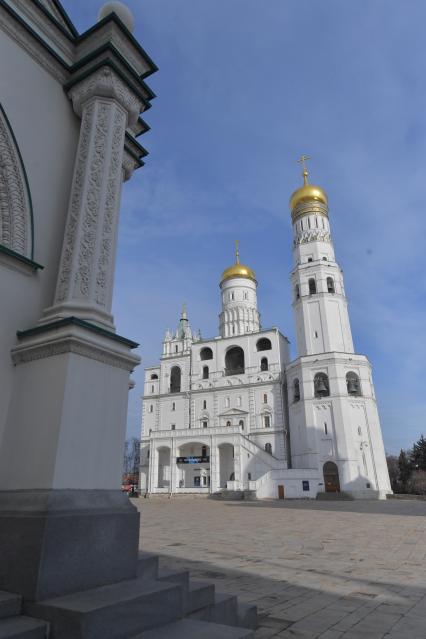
{"x":314,"y":569}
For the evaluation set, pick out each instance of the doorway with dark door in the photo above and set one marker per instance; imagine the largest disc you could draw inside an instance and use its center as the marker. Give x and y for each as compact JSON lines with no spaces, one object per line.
{"x":331,"y":478}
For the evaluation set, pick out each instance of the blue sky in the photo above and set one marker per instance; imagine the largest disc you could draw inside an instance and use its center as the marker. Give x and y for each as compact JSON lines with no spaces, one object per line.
{"x":244,"y":88}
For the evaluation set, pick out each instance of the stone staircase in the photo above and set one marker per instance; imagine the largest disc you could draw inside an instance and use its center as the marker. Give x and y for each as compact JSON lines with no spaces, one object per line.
{"x":158,"y":604}
{"x":14,"y":625}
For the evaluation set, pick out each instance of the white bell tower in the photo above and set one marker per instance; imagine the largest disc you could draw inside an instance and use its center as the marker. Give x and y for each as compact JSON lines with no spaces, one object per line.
{"x":319,"y":301}
{"x":239,"y":300}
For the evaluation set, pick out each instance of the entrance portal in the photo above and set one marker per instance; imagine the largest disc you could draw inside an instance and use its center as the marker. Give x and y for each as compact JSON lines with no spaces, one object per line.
{"x":331,"y":478}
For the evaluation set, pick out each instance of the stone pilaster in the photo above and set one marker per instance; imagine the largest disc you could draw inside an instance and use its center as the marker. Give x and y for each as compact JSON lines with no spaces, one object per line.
{"x":85,"y":278}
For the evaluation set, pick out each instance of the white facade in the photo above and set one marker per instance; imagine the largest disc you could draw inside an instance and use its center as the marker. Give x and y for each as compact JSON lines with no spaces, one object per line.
{"x":225,"y":413}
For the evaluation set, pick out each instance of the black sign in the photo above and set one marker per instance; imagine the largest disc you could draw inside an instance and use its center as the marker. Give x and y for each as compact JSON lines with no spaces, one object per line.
{"x":193,"y":459}
{"x":305,"y":484}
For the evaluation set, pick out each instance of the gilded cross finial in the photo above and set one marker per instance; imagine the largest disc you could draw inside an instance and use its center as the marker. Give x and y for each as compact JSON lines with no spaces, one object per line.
{"x":305,"y":173}
{"x":237,"y":251}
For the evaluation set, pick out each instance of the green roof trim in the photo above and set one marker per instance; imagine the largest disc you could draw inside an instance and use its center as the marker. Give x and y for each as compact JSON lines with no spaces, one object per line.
{"x":17,"y":256}
{"x":76,"y":321}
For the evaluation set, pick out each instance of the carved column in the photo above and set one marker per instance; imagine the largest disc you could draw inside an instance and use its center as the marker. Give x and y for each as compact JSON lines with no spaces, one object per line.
{"x":85,"y":278}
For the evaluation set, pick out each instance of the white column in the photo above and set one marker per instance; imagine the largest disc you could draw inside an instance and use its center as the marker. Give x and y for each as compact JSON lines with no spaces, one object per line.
{"x":85,"y":278}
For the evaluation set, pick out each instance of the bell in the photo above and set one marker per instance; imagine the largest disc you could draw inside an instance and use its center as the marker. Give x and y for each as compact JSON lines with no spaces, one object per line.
{"x":321,"y":387}
{"x":352,"y":386}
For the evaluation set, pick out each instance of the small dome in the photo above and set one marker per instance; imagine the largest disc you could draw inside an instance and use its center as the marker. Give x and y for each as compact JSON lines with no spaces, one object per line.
{"x":308,"y":193}
{"x":238,"y":270}
{"x":121,"y":10}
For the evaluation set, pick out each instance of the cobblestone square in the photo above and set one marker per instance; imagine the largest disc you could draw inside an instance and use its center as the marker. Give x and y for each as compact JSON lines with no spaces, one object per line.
{"x":315,"y":569}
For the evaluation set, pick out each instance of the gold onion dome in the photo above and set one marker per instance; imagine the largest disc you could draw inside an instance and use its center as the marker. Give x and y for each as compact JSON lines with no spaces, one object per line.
{"x":238,"y":270}
{"x":307,"y":192}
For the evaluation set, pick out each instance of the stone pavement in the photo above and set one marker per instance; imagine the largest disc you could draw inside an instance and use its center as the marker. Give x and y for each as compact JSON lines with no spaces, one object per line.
{"x":315,"y":569}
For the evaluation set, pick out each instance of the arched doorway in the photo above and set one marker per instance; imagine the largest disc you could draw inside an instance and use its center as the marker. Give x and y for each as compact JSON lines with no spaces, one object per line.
{"x":226,"y":464}
{"x":163,"y":476}
{"x":331,"y":478}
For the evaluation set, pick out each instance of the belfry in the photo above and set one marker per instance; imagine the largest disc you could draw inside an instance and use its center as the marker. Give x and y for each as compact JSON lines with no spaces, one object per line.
{"x":243,"y":416}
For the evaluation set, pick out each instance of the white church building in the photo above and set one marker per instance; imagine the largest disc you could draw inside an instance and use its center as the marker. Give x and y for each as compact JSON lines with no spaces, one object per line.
{"x":234,"y":412}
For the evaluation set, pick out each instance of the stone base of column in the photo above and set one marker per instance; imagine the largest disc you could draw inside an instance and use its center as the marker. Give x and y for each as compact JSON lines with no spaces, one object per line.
{"x":55,"y":542}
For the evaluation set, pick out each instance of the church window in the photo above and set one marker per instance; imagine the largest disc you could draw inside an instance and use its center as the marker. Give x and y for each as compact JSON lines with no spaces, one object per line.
{"x":248,"y":476}
{"x":301,"y":224}
{"x":309,"y":222}
{"x":206,"y":353}
{"x":296,"y":391}
{"x":233,"y":329}
{"x":310,"y":259}
{"x":323,"y":225}
{"x":264,"y":364}
{"x":175,"y":379}
{"x":241,"y":424}
{"x":228,"y":423}
{"x":154,"y":376}
{"x":234,"y":361}
{"x":151,"y":409}
{"x":204,"y":404}
{"x":176,"y":348}
{"x":267,"y":421}
{"x":174,"y":406}
{"x":265,"y":398}
{"x":263,"y":344}
{"x":205,"y":424}
{"x":316,"y":334}
{"x":239,"y":401}
{"x":152,"y":388}
{"x":321,"y":385}
{"x":204,"y":451}
{"x":324,"y":258}
{"x":173,"y":426}
{"x":147,"y":454}
{"x":297,"y":292}
{"x":359,"y":430}
{"x":245,"y":295}
{"x":325,"y":428}
{"x":227,"y":402}
{"x":353,"y":384}
{"x":330,"y":285}
{"x":268,"y":448}
{"x":316,"y":222}
{"x":205,"y":372}
{"x":312,"y":286}
{"x":232,"y":296}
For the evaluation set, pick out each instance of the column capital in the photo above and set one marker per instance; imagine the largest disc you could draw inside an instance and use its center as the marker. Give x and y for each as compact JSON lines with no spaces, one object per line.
{"x":105,"y":82}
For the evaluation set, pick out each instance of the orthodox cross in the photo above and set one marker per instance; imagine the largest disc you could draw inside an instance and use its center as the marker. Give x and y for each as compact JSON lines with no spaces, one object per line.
{"x":302,"y":161}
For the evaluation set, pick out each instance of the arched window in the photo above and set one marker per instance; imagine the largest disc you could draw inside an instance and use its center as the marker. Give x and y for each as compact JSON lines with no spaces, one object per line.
{"x":296,"y":391}
{"x":267,"y":421}
{"x":297,"y":292}
{"x":263,"y":344}
{"x":234,"y":361}
{"x":321,"y":385}
{"x":175,"y":379}
{"x":151,"y":409}
{"x":176,"y":348}
{"x":265,"y":398}
{"x":173,"y":405}
{"x":330,"y":285}
{"x":152,"y":388}
{"x":312,"y":286}
{"x":228,"y":423}
{"x":268,"y":448}
{"x":206,"y":353}
{"x":241,"y":424}
{"x":205,"y":372}
{"x":154,"y":376}
{"x":204,"y":404}
{"x":264,"y":364}
{"x":353,"y":384}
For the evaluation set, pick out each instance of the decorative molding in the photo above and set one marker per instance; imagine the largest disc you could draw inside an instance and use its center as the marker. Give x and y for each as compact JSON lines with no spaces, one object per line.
{"x":104,"y":82}
{"x":23,"y":355}
{"x":15,"y":198}
{"x":311,"y":235}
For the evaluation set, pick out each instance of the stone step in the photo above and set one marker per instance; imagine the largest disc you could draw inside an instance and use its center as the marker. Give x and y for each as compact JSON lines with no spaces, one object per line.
{"x":224,"y":610}
{"x":115,"y":611}
{"x":10,"y":604}
{"x":200,"y":594}
{"x":147,"y":565}
{"x":341,"y":496}
{"x":247,"y":615}
{"x":23,"y":628}
{"x":194,"y":629}
{"x":180,"y":577}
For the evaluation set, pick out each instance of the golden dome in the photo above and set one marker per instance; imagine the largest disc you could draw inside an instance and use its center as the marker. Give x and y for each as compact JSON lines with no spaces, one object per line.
{"x":238,"y":270}
{"x":307,"y":192}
